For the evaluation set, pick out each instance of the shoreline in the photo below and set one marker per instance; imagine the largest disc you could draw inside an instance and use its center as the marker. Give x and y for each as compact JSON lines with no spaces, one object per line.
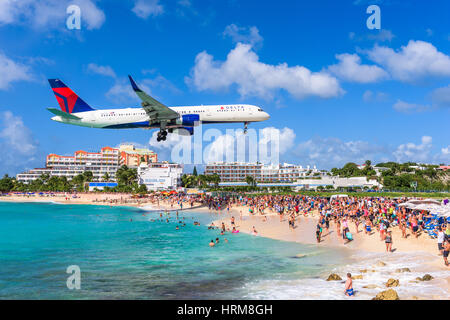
{"x":422,"y":249}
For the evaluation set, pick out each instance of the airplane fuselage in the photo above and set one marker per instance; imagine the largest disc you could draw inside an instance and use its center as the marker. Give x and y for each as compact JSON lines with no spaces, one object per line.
{"x":137,"y":117}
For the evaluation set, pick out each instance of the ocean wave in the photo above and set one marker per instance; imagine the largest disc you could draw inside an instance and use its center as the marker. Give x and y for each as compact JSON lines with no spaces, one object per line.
{"x":375,"y":276}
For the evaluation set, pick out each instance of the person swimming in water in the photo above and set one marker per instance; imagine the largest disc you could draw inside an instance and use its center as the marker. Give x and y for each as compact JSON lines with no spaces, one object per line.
{"x":212,"y":244}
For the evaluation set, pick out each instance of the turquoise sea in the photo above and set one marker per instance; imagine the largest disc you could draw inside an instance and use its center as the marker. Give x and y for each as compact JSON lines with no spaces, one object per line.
{"x":122,"y":254}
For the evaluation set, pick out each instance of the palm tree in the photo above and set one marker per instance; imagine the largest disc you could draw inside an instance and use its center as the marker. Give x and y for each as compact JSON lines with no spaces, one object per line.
{"x":88,"y":176}
{"x":202,"y":180}
{"x":250,"y":181}
{"x":106,"y":177}
{"x":215,"y":178}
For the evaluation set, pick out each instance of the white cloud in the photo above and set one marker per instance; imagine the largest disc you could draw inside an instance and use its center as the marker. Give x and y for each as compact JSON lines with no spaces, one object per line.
{"x":374,"y":35}
{"x":17,"y":141}
{"x":417,"y":60}
{"x":412,"y":152}
{"x":102,"y":70}
{"x":286,"y":137}
{"x":160,"y":82}
{"x":254,"y":78}
{"x":333,"y":152}
{"x":172,"y":140}
{"x":441,"y":97}
{"x":49,"y":13}
{"x":121,"y":92}
{"x":350,"y":69}
{"x":146,"y":8}
{"x":11,"y":71}
{"x":232,"y":145}
{"x":382,"y":35}
{"x":16,"y":134}
{"x":249,"y":35}
{"x":217,"y":150}
{"x":405,"y":107}
{"x":90,"y":13}
{"x":445,"y":154}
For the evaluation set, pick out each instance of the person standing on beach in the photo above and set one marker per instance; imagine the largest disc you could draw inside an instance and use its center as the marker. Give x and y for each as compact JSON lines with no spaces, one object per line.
{"x":414,"y":226}
{"x":318,"y":232}
{"x":440,"y":240}
{"x":388,"y":241}
{"x":338,"y":227}
{"x":446,"y":251}
{"x":349,"y":285}
{"x":403,"y":228}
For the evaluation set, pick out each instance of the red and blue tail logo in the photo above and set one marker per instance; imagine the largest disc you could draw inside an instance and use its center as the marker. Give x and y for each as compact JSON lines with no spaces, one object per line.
{"x":68,"y":100}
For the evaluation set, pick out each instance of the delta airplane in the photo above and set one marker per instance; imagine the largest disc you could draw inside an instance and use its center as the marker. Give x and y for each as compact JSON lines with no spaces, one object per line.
{"x":153,"y":114}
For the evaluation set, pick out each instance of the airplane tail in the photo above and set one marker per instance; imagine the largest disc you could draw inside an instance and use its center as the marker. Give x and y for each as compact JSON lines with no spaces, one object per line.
{"x":68,"y":100}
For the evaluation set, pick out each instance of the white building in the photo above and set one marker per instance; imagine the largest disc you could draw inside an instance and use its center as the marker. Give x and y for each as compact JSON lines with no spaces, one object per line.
{"x":238,"y":171}
{"x":107,"y":161}
{"x":160,"y":176}
{"x":337,"y":182}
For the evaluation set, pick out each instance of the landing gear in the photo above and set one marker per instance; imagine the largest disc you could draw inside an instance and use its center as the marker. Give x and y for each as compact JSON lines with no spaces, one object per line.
{"x":245,"y":127}
{"x":162,"y":135}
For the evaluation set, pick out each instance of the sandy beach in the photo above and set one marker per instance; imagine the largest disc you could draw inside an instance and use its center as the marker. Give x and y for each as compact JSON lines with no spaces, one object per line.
{"x":419,"y":255}
{"x":108,"y":199}
{"x":375,"y":265}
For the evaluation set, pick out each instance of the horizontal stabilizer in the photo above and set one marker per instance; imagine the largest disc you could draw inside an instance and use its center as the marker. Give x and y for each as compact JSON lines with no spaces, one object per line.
{"x":63,"y":114}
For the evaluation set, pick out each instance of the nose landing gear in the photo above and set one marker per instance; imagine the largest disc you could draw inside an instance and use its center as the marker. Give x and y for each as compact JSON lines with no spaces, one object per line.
{"x":245,"y":127}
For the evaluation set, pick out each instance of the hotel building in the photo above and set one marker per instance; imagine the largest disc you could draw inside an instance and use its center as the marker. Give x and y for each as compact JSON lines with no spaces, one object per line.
{"x":238,"y":171}
{"x":160,"y":176}
{"x":133,"y":157}
{"x":108,"y":160}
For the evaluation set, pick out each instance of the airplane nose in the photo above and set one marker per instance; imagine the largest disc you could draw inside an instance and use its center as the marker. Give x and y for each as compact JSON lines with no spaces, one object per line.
{"x":266,"y":116}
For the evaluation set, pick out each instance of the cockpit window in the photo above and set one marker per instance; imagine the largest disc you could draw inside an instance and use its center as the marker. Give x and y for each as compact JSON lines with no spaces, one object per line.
{"x":261,"y":110}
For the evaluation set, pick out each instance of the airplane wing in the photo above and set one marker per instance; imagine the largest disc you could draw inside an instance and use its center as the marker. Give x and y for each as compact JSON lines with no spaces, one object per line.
{"x":155,"y":109}
{"x":63,"y":114}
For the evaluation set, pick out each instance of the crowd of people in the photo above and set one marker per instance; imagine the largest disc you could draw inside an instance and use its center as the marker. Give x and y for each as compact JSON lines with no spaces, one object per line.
{"x":375,"y":214}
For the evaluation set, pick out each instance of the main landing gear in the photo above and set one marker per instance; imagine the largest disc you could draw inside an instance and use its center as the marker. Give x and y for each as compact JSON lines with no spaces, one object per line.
{"x":162,"y":135}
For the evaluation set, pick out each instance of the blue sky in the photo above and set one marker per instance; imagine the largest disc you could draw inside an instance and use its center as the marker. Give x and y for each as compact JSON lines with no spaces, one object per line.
{"x":335,"y":90}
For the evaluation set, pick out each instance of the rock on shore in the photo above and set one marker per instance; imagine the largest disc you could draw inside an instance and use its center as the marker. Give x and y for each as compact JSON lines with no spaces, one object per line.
{"x":389,"y":294}
{"x":426,"y":277}
{"x":403,"y":270}
{"x":392,"y":283}
{"x":334,"y":277}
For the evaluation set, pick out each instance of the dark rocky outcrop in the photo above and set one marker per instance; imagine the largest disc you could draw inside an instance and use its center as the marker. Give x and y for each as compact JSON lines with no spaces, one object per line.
{"x":334,"y":277}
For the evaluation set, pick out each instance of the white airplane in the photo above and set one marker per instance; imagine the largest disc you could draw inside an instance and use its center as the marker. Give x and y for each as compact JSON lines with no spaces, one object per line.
{"x":153,"y":114}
